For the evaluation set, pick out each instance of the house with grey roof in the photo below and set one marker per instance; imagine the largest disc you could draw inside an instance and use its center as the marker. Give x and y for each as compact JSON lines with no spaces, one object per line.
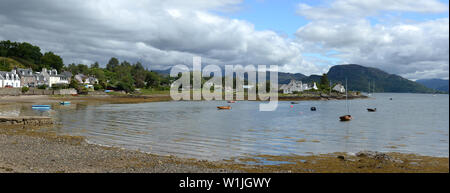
{"x":9,"y":79}
{"x":27,"y":77}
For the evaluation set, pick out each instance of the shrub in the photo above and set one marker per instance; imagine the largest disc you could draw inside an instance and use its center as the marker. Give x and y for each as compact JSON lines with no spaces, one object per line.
{"x":25,"y":89}
{"x":98,"y":87}
{"x":42,"y":86}
{"x":60,"y":86}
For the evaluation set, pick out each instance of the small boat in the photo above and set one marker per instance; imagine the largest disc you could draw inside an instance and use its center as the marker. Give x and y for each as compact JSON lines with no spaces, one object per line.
{"x":65,"y":103}
{"x":372,"y":110}
{"x":346,"y":118}
{"x":224,"y":107}
{"x":231,"y":101}
{"x":294,"y":103}
{"x":43,"y":107}
{"x":313,"y":109}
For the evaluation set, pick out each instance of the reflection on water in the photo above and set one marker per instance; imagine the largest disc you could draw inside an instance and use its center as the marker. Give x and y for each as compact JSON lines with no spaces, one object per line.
{"x":410,"y":123}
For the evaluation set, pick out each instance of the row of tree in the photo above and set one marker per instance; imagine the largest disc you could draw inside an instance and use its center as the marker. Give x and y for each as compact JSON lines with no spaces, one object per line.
{"x":116,"y":75}
{"x":30,"y":56}
{"x":122,"y":75}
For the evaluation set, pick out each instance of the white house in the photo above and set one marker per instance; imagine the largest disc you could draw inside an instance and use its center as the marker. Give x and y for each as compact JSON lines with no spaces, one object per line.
{"x":9,"y":79}
{"x":51,"y":77}
{"x":296,"y":86}
{"x":293,"y":86}
{"x":339,"y":88}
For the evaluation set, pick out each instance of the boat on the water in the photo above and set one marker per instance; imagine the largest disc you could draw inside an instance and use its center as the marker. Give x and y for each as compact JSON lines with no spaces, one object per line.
{"x":224,"y":107}
{"x":346,"y":118}
{"x":65,"y":103}
{"x":41,"y":107}
{"x":231,"y":101}
{"x":313,"y":109}
{"x":372,"y":110}
{"x":294,"y":103}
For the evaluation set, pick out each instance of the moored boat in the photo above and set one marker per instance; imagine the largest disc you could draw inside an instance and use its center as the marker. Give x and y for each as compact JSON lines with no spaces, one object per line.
{"x":231,"y":101}
{"x":65,"y":103}
{"x":346,"y":118}
{"x":41,"y":107}
{"x":224,"y":107}
{"x":313,"y":109}
{"x":372,"y":110}
{"x":294,"y":103}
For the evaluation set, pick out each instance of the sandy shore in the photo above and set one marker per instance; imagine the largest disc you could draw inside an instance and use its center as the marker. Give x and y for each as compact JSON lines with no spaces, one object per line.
{"x":26,"y":150}
{"x":30,"y":150}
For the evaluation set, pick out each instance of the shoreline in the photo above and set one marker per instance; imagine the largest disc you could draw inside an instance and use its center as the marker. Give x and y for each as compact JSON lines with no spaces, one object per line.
{"x":24,"y":150}
{"x":93,"y":99}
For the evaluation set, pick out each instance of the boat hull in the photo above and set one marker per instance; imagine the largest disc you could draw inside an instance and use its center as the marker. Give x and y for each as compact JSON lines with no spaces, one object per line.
{"x":224,"y":108}
{"x":41,"y":107}
{"x":346,"y":118}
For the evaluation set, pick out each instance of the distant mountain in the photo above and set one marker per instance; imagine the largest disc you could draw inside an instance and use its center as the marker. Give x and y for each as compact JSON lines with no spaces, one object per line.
{"x":437,"y":84}
{"x":283,"y":78}
{"x":164,"y":72}
{"x":359,"y":77}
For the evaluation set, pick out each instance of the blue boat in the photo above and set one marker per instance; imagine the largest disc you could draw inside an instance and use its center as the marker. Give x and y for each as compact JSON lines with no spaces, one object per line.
{"x":41,"y":107}
{"x":65,"y":103}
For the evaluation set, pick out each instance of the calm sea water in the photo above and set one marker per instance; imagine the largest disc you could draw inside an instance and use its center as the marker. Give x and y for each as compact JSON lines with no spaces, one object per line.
{"x":410,"y":123}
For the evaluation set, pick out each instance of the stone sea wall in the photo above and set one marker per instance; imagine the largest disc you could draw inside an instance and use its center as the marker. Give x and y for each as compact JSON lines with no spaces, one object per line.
{"x":34,"y":91}
{"x":33,"y":121}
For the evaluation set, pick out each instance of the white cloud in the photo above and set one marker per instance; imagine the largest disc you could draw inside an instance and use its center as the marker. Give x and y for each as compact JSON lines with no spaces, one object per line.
{"x":351,"y":9}
{"x":160,"y":33}
{"x":412,"y":49}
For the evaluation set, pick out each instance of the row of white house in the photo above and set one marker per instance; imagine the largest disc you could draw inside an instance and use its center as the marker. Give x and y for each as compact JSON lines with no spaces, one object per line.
{"x":298,"y":86}
{"x":18,"y":78}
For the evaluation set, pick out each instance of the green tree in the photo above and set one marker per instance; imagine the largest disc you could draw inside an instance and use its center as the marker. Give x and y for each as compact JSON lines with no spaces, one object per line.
{"x":83,"y":69}
{"x":112,"y":64}
{"x":52,"y":61}
{"x":152,"y":79}
{"x":139,"y":75}
{"x":324,"y":82}
{"x":95,"y":65}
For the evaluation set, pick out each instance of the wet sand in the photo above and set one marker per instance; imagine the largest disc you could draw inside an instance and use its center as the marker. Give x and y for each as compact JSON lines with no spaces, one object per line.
{"x":33,"y":151}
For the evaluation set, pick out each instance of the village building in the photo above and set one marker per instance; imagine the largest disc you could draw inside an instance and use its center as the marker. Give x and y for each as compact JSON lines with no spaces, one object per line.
{"x":27,"y":77}
{"x":9,"y":79}
{"x":83,"y":79}
{"x":293,"y":86}
{"x":296,"y":86}
{"x":51,"y":77}
{"x":339,"y":88}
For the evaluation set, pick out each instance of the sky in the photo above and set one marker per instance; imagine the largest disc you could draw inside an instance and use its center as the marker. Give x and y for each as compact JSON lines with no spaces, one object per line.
{"x":404,"y":37}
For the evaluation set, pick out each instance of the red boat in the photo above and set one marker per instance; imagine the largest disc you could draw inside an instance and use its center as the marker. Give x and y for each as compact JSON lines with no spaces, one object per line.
{"x":231,"y":101}
{"x":224,"y":108}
